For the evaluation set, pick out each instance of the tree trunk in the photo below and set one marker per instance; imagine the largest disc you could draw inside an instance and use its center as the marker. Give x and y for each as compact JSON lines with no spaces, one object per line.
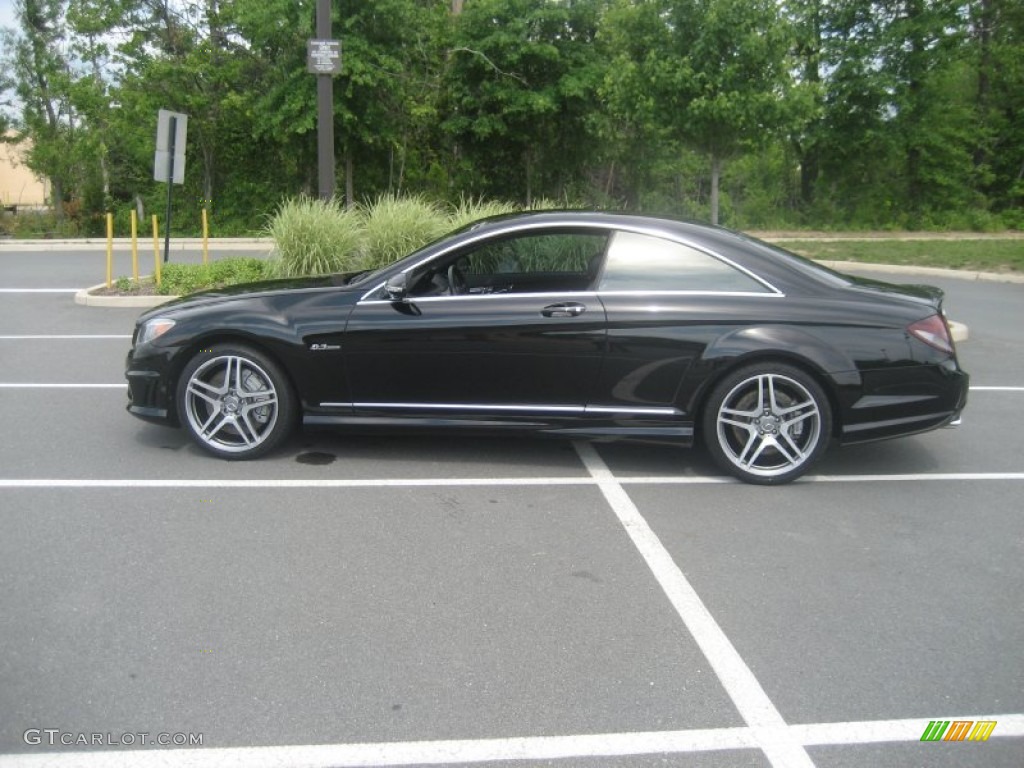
{"x":349,"y":183}
{"x":716,"y":173}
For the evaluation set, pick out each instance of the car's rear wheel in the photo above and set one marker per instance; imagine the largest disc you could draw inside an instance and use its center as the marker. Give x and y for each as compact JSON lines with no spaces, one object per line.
{"x":767,"y":423}
{"x":235,"y":402}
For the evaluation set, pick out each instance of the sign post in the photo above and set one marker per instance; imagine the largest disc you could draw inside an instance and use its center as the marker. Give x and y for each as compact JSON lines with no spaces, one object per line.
{"x":323,"y":59}
{"x":169,"y":161}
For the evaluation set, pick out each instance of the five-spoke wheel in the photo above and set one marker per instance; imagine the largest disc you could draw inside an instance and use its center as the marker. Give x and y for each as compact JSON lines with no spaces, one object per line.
{"x":767,"y":423}
{"x":235,"y":402}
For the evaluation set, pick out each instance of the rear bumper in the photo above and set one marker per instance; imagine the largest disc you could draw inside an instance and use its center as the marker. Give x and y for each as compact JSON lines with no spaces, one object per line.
{"x":934,"y":398}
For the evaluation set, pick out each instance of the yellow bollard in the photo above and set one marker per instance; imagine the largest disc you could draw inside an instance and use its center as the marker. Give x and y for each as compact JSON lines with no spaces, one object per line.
{"x":135,"y":247}
{"x":206,"y":238}
{"x":156,"y":251}
{"x":110,"y":250}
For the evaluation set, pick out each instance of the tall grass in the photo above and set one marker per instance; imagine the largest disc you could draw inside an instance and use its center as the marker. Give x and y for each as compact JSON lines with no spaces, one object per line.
{"x":315,"y":237}
{"x":470,"y":209}
{"x":394,"y":227}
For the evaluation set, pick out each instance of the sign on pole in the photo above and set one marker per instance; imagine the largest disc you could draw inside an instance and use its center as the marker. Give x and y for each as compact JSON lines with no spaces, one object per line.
{"x":169,"y":162}
{"x":323,"y":57}
{"x":170,"y":146}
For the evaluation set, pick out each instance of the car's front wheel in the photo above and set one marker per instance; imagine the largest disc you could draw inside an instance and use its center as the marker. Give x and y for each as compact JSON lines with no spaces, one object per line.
{"x":767,"y":423}
{"x":235,"y":402}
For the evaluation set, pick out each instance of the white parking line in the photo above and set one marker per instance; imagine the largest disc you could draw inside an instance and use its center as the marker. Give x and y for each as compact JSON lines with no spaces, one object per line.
{"x":454,"y":752}
{"x":100,"y":336}
{"x":48,"y":337}
{"x":462,"y":482}
{"x":30,"y":385}
{"x":756,"y":709}
{"x":40,"y":290}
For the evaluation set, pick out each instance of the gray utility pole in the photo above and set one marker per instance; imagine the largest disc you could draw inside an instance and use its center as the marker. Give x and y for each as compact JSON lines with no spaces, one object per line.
{"x":325,"y":106}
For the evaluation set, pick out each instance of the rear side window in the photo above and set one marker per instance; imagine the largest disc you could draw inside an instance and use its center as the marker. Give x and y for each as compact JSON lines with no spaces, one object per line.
{"x":639,"y":262}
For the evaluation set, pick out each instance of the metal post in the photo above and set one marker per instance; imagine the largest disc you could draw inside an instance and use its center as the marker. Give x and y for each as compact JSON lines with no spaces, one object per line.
{"x":325,"y":109}
{"x":170,"y":185}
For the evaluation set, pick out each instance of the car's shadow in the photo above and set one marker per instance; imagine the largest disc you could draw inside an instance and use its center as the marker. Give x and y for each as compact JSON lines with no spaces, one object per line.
{"x":404,"y":455}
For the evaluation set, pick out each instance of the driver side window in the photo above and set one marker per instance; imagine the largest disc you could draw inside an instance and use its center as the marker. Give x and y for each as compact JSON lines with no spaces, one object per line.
{"x":554,"y":262}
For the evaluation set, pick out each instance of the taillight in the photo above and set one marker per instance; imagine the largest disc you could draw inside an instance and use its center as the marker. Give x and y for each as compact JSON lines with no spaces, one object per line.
{"x":934,"y":332}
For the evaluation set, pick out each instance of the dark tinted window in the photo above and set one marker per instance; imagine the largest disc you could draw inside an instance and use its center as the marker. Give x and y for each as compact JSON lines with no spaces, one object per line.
{"x":567,"y":252}
{"x":645,"y":263}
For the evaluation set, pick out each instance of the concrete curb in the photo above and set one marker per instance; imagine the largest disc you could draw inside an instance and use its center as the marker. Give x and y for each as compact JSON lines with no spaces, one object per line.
{"x":125,"y":243}
{"x":959,"y":331}
{"x":904,"y":269}
{"x":85,"y":298}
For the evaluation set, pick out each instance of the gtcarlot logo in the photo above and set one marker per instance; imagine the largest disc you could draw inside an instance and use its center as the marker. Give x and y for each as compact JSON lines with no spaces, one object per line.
{"x":959,"y":730}
{"x":55,"y":737}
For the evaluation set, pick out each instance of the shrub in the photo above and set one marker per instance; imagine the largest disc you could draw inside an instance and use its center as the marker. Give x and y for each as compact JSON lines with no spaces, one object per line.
{"x":183,"y":279}
{"x":314,"y":237}
{"x":472,"y":209}
{"x":396,"y":226}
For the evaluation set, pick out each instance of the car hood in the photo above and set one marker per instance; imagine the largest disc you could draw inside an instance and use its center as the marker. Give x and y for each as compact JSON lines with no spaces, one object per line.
{"x":248,"y":290}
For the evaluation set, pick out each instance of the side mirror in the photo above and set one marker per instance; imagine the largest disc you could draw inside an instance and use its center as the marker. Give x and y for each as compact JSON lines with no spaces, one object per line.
{"x":397,"y":287}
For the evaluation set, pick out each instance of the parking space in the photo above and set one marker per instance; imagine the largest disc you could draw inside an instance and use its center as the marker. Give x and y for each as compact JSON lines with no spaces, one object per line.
{"x":415,"y":599}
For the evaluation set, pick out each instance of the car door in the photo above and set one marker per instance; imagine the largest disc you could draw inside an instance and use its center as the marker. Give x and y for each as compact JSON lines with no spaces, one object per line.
{"x":500,"y":329}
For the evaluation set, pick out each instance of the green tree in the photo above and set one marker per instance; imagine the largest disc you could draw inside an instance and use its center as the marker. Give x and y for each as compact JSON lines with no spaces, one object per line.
{"x":521,"y":79}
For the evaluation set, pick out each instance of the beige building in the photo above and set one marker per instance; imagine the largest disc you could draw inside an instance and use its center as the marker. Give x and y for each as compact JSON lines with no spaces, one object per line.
{"x":19,"y":187}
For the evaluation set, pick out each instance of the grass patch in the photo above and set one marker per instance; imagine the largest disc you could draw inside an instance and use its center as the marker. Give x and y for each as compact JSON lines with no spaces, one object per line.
{"x":183,"y":279}
{"x":988,"y":255}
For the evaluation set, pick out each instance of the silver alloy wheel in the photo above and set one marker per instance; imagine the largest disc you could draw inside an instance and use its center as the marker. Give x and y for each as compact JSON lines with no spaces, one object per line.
{"x":769,"y":425}
{"x":231,"y":404}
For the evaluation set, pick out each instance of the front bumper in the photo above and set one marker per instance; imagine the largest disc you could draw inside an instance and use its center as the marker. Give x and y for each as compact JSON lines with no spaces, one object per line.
{"x":150,"y":393}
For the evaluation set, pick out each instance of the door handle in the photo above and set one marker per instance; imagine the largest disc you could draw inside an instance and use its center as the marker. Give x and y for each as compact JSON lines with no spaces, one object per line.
{"x":566,"y":309}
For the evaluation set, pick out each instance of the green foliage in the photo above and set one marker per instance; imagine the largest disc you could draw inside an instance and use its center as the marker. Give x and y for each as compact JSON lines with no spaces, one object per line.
{"x":183,"y":279}
{"x":960,"y":253}
{"x":470,"y":209}
{"x":315,"y":237}
{"x":847,"y":113}
{"x":394,"y":227}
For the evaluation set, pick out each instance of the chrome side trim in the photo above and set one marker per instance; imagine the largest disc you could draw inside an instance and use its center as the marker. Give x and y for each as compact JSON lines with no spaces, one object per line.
{"x":589,"y":409}
{"x":579,"y":294}
{"x":464,"y":296}
{"x":639,"y":411}
{"x":464,"y":407}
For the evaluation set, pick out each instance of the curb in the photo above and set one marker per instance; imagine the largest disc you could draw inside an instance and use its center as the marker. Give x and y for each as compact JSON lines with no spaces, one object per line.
{"x":904,"y":269}
{"x":958,"y":331}
{"x":125,"y":243}
{"x":85,"y":298}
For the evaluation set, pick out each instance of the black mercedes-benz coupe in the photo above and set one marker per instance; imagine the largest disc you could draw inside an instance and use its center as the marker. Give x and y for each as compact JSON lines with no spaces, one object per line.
{"x":588,"y":325}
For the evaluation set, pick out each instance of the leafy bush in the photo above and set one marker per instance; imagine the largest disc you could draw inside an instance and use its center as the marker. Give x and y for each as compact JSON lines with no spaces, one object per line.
{"x":183,"y":279}
{"x":315,"y":237}
{"x":396,"y":226}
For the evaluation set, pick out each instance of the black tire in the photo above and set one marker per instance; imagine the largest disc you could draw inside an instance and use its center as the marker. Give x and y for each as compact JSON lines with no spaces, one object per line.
{"x":235,"y":402}
{"x":767,"y":423}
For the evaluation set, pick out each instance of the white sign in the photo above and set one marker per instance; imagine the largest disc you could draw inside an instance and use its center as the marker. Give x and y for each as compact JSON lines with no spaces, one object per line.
{"x":163,"y":145}
{"x":323,"y":57}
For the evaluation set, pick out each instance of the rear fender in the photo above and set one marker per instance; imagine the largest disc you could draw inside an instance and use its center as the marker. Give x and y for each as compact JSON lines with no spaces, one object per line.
{"x":836,"y":371}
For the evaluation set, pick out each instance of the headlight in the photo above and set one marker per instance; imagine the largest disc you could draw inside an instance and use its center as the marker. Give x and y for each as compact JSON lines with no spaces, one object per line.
{"x":154,"y":328}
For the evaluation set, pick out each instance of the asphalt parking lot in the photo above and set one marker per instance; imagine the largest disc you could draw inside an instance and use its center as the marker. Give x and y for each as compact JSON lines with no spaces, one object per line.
{"x":405,"y":600}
